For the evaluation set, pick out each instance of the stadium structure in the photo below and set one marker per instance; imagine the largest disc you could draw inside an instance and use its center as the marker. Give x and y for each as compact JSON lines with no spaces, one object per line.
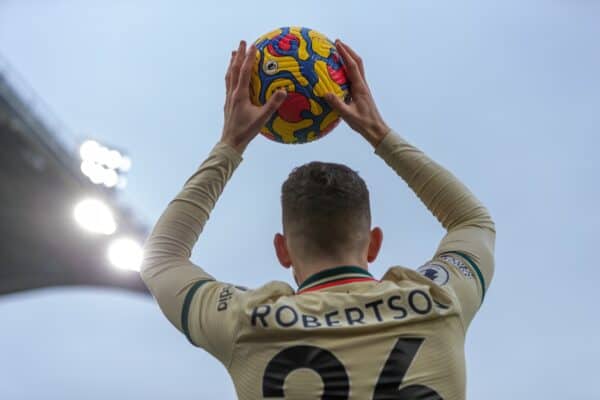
{"x":41,"y":181}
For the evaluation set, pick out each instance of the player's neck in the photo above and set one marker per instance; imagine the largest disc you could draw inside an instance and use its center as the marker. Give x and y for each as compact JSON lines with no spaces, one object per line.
{"x":304,"y":271}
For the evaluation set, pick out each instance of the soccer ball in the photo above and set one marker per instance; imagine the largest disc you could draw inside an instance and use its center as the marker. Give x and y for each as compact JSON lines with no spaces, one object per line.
{"x":306,"y":64}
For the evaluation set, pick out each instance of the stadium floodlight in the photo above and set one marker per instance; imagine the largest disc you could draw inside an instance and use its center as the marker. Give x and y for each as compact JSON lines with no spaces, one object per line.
{"x":103,"y":165}
{"x":125,"y":253}
{"x":95,"y":216}
{"x":111,"y":178}
{"x":113,"y":159}
{"x":89,"y":150}
{"x":95,"y":172}
{"x":125,"y":164}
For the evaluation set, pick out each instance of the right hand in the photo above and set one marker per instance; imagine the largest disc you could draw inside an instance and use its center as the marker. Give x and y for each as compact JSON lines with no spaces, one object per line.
{"x":243,"y":120}
{"x":361,"y":114}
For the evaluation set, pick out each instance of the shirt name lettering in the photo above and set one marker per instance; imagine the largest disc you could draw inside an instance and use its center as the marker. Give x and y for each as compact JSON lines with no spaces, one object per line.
{"x":391,"y":308}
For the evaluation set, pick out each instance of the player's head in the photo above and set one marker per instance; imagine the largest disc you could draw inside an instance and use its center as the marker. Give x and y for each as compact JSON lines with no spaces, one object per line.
{"x":326,"y":217}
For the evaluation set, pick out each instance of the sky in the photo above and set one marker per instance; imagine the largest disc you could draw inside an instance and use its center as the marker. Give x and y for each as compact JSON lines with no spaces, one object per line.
{"x":506,"y":94}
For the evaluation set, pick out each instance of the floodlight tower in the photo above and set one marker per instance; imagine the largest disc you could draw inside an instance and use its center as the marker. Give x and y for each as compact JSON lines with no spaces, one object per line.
{"x":107,"y":167}
{"x":63,"y":222}
{"x":104,"y":166}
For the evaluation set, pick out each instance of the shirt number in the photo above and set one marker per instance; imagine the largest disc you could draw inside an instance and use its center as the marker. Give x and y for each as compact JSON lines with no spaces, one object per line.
{"x":336,"y":384}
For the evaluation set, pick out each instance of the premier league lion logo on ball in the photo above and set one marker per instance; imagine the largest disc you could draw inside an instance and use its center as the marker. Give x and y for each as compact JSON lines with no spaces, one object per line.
{"x":306,"y":64}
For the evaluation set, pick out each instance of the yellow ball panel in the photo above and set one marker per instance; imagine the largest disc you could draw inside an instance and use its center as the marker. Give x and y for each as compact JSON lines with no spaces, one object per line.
{"x":287,"y":129}
{"x":277,"y":84}
{"x":320,"y":44}
{"x":324,"y":84}
{"x":329,"y":119}
{"x":315,"y":107}
{"x":269,"y":35}
{"x":303,"y":45}
{"x":311,"y":136}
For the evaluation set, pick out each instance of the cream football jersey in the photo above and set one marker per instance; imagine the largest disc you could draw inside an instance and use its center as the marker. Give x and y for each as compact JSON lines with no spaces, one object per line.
{"x":343,"y":334}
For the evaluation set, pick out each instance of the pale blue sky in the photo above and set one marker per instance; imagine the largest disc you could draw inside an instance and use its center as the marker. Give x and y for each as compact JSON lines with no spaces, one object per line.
{"x":506,"y":94}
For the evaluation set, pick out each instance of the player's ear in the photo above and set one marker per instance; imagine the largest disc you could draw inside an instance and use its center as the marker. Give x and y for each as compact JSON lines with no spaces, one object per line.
{"x":376,"y":238}
{"x":283,"y":255}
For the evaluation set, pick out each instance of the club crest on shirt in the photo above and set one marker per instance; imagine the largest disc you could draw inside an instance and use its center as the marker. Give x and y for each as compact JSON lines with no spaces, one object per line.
{"x":436,"y":272}
{"x":458,"y":263}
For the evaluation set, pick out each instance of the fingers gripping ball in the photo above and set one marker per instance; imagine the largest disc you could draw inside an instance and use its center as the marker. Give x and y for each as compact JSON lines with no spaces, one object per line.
{"x":306,"y":64}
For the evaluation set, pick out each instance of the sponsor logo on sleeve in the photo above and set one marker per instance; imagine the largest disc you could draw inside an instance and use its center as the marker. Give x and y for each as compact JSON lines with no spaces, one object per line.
{"x":225,"y":295}
{"x":436,"y":272}
{"x":458,"y":263}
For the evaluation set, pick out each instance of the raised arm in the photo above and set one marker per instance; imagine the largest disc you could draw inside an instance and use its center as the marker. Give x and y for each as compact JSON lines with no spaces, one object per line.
{"x":186,"y":293}
{"x":469,"y":241}
{"x":467,"y":249}
{"x":167,"y":270}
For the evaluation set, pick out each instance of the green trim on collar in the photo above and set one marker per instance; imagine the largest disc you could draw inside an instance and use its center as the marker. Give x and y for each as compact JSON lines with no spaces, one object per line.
{"x":186,"y":307}
{"x":331,"y":272}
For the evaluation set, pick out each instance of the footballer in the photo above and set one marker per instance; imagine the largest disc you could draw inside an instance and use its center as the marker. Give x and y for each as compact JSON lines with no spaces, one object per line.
{"x":342,"y":333}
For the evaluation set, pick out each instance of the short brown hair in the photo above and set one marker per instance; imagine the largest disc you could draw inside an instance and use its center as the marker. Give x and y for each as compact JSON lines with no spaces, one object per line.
{"x":326,"y":206}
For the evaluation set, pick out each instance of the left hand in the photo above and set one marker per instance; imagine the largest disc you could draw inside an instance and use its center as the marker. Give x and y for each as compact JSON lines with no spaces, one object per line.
{"x":361,"y":114}
{"x":243,"y":119}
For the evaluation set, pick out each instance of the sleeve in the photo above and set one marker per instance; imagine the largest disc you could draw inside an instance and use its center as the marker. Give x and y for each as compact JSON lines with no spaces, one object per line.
{"x":464,"y":260}
{"x":210,"y":315}
{"x":187,"y":295}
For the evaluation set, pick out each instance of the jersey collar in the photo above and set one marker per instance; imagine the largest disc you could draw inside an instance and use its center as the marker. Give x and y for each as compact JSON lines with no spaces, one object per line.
{"x":335,"y":276}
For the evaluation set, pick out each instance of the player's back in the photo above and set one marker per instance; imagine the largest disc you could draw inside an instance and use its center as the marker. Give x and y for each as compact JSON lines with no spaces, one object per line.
{"x":344,"y":335}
